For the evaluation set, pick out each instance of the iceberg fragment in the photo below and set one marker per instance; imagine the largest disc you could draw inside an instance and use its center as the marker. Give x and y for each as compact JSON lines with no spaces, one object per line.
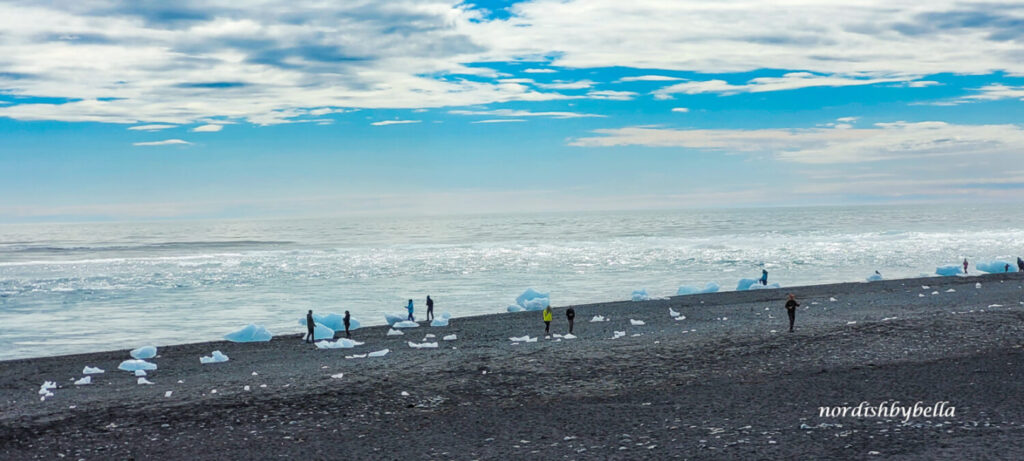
{"x":450,"y":338}
{"x":215,"y":357}
{"x":996,"y":267}
{"x":144,"y":352}
{"x":636,"y":322}
{"x":598,"y":318}
{"x":380,"y":353}
{"x":673,"y":313}
{"x":533,"y":300}
{"x":745,"y":284}
{"x":710,"y":287}
{"x":394,"y":332}
{"x":144,"y":381}
{"x":640,"y":295}
{"x":441,"y":322}
{"x":758,"y":286}
{"x":618,"y":334}
{"x":341,"y":343}
{"x":569,"y":336}
{"x":514,"y":308}
{"x":84,"y":381}
{"x":250,"y":333}
{"x":422,"y":345}
{"x":140,"y":372}
{"x":132,"y":365}
{"x":405,"y":324}
{"x":949,"y":270}
{"x":91,"y":370}
{"x":875,"y":277}
{"x":446,"y":315}
{"x":392,"y":319}
{"x":523,"y":339}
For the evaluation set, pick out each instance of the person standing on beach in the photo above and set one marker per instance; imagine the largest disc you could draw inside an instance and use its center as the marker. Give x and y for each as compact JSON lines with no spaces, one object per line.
{"x":547,"y":320}
{"x":348,"y":321}
{"x":310,"y":327}
{"x":764,"y":277}
{"x":965,"y":266}
{"x":791,"y":306}
{"x":570,"y":315}
{"x":430,"y":308}
{"x":1020,"y":264}
{"x":409,"y":307}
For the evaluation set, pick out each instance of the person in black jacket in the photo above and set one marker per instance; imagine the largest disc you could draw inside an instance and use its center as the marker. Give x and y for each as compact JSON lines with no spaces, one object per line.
{"x":430,"y":308}
{"x":791,"y":306}
{"x":348,"y":320}
{"x":310,"y":327}
{"x":570,"y":314}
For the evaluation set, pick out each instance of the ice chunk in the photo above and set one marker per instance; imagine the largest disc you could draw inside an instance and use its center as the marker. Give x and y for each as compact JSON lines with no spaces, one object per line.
{"x":977,"y":285}
{"x":144,"y":352}
{"x":442,"y":322}
{"x":920,"y":295}
{"x":950,"y":291}
{"x":321,"y":331}
{"x":341,"y":343}
{"x":84,"y":381}
{"x":422,"y":345}
{"x":832,"y":300}
{"x":640,"y":295}
{"x":355,"y":356}
{"x":216,"y":357}
{"x":710,"y":287}
{"x":598,"y":318}
{"x":758,"y":286}
{"x":168,"y":394}
{"x":636,"y":322}
{"x":380,"y":353}
{"x":91,"y":370}
{"x":144,"y":381}
{"x":673,"y":313}
{"x":569,"y":336}
{"x":450,"y":338}
{"x":952,"y":269}
{"x":250,"y":334}
{"x":429,"y":335}
{"x":140,"y":372}
{"x":618,"y":334}
{"x":394,"y":332}
{"x":996,"y":267}
{"x":745,"y":284}
{"x":875,"y":277}
{"x":335,"y":376}
{"x":132,"y":365}
{"x":515,"y":308}
{"x":533,"y":300}
{"x":681,"y":317}
{"x":925,"y":287}
{"x":392,"y":319}
{"x":523,"y":339}
{"x":406,"y":324}
{"x":446,"y":315}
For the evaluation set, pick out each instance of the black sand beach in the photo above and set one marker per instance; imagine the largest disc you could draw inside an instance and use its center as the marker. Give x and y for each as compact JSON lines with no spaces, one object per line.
{"x":718,"y":384}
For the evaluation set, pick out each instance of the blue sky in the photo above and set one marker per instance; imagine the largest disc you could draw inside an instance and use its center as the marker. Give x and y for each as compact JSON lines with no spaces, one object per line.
{"x":144,"y":110}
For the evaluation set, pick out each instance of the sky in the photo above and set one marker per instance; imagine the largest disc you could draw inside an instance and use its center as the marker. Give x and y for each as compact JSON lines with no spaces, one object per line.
{"x":138,"y":110}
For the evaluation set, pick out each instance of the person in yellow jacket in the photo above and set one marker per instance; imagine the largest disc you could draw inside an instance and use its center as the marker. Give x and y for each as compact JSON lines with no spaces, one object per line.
{"x":547,"y":320}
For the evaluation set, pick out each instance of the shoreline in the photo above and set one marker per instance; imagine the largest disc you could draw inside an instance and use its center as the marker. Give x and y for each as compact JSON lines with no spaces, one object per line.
{"x":720,"y":383}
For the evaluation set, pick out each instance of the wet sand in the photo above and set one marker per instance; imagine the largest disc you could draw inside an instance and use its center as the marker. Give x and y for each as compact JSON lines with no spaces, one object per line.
{"x":726,"y":382}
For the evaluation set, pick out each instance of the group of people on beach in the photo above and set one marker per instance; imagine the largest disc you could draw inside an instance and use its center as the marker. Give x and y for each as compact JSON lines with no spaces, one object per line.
{"x":430,"y":310}
{"x":548,"y":316}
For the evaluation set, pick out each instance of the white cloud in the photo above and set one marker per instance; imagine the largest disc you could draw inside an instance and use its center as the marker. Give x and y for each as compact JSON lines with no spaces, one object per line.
{"x":166,"y":142}
{"x":561,"y":85}
{"x":612,"y":95}
{"x":994,"y":92}
{"x":500,"y":120}
{"x":540,"y":71}
{"x":210,"y":128}
{"x":838,"y":144}
{"x":680,"y":109}
{"x":790,"y":81}
{"x":649,"y":78}
{"x":394,"y":122}
{"x":522,"y":113}
{"x":922,"y":83}
{"x":151,"y":127}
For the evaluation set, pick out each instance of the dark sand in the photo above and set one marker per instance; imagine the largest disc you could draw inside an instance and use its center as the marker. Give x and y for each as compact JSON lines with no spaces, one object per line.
{"x":731,"y":389}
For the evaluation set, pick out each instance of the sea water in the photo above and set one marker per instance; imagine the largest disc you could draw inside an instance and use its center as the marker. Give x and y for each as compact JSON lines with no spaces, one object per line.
{"x":70,"y":288}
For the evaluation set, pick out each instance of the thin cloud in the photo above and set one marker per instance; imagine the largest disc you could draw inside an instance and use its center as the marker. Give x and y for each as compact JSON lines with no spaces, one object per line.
{"x":680,"y":109}
{"x":612,"y":95}
{"x":522,"y":113}
{"x":648,"y":78}
{"x":540,"y":71}
{"x":394,"y":122}
{"x":211,"y":128}
{"x":153,"y":127}
{"x":790,"y":81}
{"x":166,"y":142}
{"x":501,"y":120}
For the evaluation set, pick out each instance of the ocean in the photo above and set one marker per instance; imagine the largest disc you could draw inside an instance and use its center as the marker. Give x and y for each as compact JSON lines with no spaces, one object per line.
{"x":71,"y":288}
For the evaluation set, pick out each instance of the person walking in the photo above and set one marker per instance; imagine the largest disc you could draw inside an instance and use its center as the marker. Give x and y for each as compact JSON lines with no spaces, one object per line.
{"x":791,"y":306}
{"x":348,"y":322}
{"x":764,"y":277}
{"x":570,"y":315}
{"x":409,"y":307}
{"x":310,"y":327}
{"x":547,"y":320}
{"x":430,"y":308}
{"x":965,"y":266}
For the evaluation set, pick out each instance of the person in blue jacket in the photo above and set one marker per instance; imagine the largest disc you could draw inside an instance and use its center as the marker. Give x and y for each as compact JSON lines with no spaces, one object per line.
{"x":764,"y":277}
{"x":409,"y":307}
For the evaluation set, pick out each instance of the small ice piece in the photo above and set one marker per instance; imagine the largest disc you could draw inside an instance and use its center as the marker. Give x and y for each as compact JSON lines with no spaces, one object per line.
{"x":405,"y":324}
{"x":875,"y":277}
{"x":92,"y":370}
{"x":618,"y":334}
{"x":394,"y":332}
{"x":950,"y":291}
{"x":439,"y":322}
{"x":949,"y":270}
{"x":634,"y":335}
{"x":832,"y":299}
{"x":422,"y":345}
{"x":246,"y":388}
{"x":636,"y":322}
{"x":214,"y":391}
{"x":216,"y":357}
{"x":392,"y":319}
{"x":255,"y":374}
{"x":673,"y":313}
{"x":598,"y":318}
{"x":380,"y":353}
{"x":144,"y":381}
{"x":429,"y":335}
{"x":569,"y":336}
{"x":405,"y":394}
{"x":977,"y":285}
{"x":935,"y":292}
{"x":640,"y":295}
{"x":514,"y":308}
{"x":446,"y":315}
{"x":725,"y":318}
{"x":321,"y":331}
{"x":925,"y":287}
{"x":851,"y":322}
{"x":758,"y":286}
{"x":341,"y":343}
{"x":132,"y":365}
{"x":994,"y":305}
{"x":144,"y":352}
{"x":522,"y":339}
{"x":250,"y":333}
{"x":681,"y":317}
{"x":335,"y":376}
{"x":920,"y":295}
{"x":450,"y":338}
{"x":84,"y":381}
{"x":533,"y":300}
{"x":710,"y":287}
{"x":356,"y":356}
{"x":168,"y":394}
{"x":140,"y":372}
